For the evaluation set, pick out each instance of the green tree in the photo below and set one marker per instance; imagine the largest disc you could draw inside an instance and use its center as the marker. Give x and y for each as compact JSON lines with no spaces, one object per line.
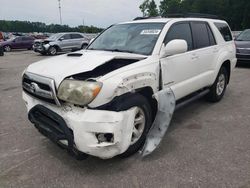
{"x":152,"y":9}
{"x":144,"y":7}
{"x":149,"y":8}
{"x":170,"y":7}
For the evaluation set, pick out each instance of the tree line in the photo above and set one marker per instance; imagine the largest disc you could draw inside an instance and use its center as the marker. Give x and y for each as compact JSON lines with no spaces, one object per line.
{"x":26,"y":27}
{"x":235,"y":12}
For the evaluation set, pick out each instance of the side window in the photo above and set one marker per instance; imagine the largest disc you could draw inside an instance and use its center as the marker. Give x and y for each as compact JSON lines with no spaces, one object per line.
{"x":18,"y":39}
{"x":66,"y":37}
{"x":76,"y":36}
{"x":201,"y":36}
{"x":180,"y":31}
{"x":26,"y":38}
{"x":225,"y":31}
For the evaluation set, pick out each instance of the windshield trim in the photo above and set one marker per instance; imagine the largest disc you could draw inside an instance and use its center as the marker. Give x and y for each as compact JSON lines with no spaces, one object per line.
{"x":163,"y":25}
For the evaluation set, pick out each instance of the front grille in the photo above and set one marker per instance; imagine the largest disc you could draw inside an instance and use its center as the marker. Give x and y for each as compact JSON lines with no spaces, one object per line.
{"x":39,"y":87}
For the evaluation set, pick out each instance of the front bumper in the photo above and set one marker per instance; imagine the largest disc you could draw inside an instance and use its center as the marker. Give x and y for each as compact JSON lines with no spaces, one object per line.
{"x":41,"y":48}
{"x":85,"y":125}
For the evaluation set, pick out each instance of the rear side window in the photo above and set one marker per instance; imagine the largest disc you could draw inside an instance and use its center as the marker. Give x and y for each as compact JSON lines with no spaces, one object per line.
{"x":76,"y":36}
{"x":180,"y":31}
{"x":225,"y":31}
{"x":201,"y":35}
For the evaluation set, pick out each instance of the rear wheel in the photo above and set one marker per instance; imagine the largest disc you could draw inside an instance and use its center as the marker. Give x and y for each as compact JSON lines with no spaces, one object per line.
{"x":218,"y":89}
{"x":7,"y":48}
{"x":52,"y":50}
{"x":142,"y":121}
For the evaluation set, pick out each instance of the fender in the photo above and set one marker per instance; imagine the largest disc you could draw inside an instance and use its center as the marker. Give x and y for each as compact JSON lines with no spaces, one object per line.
{"x":116,"y":87}
{"x":224,"y":56}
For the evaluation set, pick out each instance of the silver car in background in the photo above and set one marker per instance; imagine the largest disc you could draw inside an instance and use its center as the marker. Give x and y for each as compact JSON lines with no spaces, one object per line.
{"x":61,"y":42}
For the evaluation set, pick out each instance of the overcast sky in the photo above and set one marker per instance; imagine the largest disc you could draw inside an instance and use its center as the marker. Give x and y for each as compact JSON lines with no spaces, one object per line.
{"x":100,"y":13}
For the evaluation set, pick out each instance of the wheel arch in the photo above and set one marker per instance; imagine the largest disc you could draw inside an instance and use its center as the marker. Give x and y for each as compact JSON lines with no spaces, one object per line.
{"x":227,"y":65}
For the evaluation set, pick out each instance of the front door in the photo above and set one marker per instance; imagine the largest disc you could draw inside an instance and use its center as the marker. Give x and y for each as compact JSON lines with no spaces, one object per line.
{"x":179,"y":72}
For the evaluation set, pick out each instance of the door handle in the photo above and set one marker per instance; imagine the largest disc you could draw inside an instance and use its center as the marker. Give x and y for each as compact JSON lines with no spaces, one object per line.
{"x":194,"y":56}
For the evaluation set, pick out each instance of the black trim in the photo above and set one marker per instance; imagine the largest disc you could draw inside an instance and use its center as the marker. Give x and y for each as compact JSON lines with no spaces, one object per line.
{"x":54,"y":127}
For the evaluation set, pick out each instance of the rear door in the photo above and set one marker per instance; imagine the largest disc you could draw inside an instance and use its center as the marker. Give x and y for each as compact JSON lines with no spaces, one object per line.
{"x":206,"y":51}
{"x":77,"y":40}
{"x":26,"y":42}
{"x":179,"y":72}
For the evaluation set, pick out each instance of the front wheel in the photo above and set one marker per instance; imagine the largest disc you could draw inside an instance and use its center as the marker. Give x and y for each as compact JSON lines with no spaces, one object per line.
{"x":52,"y":50}
{"x":7,"y":48}
{"x":142,"y":121}
{"x":217,"y":90}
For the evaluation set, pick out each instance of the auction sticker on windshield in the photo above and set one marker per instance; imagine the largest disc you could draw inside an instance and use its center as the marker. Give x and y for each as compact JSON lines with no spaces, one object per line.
{"x":151,"y":32}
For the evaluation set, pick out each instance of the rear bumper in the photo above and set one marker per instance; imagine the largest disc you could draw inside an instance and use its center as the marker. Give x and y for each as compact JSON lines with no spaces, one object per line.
{"x":80,"y":127}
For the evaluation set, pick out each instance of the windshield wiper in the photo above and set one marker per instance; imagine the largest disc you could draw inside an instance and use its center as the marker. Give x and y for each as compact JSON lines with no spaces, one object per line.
{"x":118,"y":50}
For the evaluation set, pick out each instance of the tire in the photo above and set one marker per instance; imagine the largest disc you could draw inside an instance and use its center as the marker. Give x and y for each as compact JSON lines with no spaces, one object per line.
{"x":84,"y":46}
{"x":144,"y":109}
{"x":52,"y":50}
{"x":7,"y":48}
{"x":218,"y":89}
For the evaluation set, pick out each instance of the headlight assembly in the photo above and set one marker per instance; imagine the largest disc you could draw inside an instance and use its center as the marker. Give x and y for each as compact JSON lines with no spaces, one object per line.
{"x":78,"y":92}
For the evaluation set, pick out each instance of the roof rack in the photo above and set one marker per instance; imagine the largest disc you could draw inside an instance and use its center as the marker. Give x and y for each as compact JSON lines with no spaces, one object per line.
{"x":192,"y":15}
{"x":148,"y":17}
{"x":182,"y":15}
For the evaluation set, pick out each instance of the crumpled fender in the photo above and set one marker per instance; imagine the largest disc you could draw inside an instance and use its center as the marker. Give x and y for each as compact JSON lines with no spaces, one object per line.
{"x":166,"y":107}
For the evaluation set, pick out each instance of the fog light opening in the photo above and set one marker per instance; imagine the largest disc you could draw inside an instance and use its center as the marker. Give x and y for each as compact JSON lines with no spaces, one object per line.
{"x":105,"y":137}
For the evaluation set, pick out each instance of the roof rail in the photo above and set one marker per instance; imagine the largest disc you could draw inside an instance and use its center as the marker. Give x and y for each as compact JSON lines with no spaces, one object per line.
{"x":148,"y":17}
{"x":192,"y":15}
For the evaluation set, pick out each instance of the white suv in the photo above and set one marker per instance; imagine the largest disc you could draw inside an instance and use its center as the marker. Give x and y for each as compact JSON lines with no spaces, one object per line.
{"x":118,"y":96}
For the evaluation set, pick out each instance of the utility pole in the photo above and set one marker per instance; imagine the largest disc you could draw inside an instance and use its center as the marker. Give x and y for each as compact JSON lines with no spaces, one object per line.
{"x":60,"y":12}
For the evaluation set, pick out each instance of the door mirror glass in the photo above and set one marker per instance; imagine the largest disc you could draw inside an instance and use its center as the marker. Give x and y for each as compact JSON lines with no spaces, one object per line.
{"x":174,"y":47}
{"x":61,"y":39}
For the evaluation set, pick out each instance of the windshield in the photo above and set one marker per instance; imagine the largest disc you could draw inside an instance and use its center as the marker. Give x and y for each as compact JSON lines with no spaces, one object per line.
{"x":139,"y":38}
{"x":244,"y":36}
{"x":54,"y":37}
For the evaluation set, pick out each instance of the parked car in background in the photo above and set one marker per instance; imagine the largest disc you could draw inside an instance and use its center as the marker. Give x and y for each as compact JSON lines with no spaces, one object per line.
{"x":22,"y":42}
{"x":61,"y":42}
{"x":243,"y":46}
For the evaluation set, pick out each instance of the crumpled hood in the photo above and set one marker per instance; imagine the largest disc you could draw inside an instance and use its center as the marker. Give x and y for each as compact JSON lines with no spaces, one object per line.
{"x":63,"y":66}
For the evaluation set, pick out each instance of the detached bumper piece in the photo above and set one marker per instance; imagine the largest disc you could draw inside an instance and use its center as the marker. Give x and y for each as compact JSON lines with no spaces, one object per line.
{"x":54,"y":127}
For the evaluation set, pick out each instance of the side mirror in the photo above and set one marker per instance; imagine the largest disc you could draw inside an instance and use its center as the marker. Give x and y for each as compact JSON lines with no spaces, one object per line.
{"x":61,"y":39}
{"x":174,"y":47}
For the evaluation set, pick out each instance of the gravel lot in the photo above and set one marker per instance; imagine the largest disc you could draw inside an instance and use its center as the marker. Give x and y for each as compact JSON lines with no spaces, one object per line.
{"x":208,"y":145}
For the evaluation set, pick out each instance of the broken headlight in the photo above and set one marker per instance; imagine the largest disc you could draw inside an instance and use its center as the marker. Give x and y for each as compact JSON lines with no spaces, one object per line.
{"x":78,"y":92}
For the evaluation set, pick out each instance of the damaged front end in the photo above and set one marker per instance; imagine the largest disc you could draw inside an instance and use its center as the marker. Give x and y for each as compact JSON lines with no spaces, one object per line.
{"x":99,"y":133}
